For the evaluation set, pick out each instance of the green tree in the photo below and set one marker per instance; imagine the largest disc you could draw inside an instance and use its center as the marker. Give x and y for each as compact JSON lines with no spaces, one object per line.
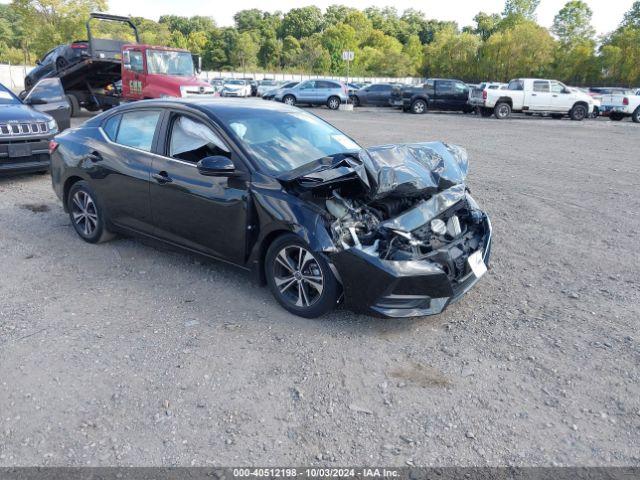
{"x":486,"y":24}
{"x":453,"y":54}
{"x":337,"y":39}
{"x":302,"y":22}
{"x":521,"y":8}
{"x":573,"y":23}
{"x":269,"y":53}
{"x":632,"y":17}
{"x":620,"y":56}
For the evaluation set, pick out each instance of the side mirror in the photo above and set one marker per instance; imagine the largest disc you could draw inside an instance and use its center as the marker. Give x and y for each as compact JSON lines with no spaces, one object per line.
{"x":216,"y":166}
{"x":566,"y":90}
{"x":35,"y":101}
{"x":38,"y":62}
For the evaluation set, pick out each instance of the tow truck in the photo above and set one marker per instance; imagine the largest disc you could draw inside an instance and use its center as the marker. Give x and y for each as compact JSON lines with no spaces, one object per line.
{"x":116,"y":70}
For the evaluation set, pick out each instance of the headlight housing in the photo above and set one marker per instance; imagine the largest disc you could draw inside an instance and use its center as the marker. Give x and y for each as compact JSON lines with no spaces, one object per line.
{"x":52,"y":126}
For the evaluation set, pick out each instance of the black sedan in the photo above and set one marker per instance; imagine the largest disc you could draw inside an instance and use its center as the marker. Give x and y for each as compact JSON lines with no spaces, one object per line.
{"x":27,"y":126}
{"x":377,"y":94}
{"x":388,"y":230}
{"x":56,"y":60}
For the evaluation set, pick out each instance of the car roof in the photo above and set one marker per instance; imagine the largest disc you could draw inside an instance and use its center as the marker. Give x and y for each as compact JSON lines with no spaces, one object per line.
{"x":210,"y":105}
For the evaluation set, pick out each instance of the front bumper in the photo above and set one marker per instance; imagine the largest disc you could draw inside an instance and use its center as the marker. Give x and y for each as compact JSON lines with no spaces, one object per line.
{"x":25,"y":155}
{"x":397,"y":289}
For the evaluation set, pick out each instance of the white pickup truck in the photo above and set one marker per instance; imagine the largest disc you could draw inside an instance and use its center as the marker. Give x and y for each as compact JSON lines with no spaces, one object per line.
{"x":618,"y":105}
{"x":533,"y":95}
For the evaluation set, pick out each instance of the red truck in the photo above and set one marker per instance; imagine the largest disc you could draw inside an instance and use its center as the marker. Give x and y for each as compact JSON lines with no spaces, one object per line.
{"x":111,"y":71}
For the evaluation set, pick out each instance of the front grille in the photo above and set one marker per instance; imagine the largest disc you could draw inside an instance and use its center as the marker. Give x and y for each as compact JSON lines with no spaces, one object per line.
{"x":26,"y":128}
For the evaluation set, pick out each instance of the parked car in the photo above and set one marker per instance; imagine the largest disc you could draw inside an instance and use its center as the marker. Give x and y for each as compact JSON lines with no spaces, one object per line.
{"x":27,"y":126}
{"x":266,"y":85}
{"x":534,"y":95}
{"x":253,"y":85}
{"x":217,"y":84}
{"x":314,"y":92}
{"x":271,"y":94}
{"x":235,"y":87}
{"x":618,"y":106}
{"x":434,"y":94}
{"x":389,"y":230}
{"x":56,"y":60}
{"x":377,"y":94}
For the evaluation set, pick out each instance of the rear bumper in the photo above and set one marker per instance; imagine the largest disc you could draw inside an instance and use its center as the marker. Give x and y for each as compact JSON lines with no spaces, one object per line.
{"x":398,"y":289}
{"x":606,"y":110}
{"x":35,"y":160}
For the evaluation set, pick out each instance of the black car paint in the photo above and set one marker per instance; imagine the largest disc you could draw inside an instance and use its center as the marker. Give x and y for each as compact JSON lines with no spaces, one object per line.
{"x":50,"y":61}
{"x":29,"y":152}
{"x":251,"y":208}
{"x":435,"y":97}
{"x":378,"y":94}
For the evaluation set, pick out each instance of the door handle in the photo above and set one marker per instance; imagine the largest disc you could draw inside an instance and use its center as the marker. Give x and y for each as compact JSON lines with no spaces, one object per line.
{"x":162,"y":178}
{"x":534,"y":94}
{"x":94,"y":157}
{"x":555,"y":96}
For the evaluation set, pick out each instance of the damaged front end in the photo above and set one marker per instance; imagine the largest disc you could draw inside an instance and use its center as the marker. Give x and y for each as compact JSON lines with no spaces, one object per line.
{"x":409,"y":238}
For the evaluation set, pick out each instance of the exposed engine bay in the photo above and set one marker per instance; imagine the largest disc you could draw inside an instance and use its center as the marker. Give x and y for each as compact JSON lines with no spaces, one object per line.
{"x":402,"y":202}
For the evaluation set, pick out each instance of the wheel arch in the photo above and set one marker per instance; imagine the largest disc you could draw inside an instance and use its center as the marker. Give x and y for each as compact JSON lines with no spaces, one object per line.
{"x":507,"y":100}
{"x":68,"y":183}
{"x":583,"y":103}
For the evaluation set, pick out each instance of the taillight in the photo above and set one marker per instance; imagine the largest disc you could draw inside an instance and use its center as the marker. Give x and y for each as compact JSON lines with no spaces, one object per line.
{"x":484,"y":94}
{"x":53,"y":145}
{"x":79,"y":45}
{"x":625,"y":101}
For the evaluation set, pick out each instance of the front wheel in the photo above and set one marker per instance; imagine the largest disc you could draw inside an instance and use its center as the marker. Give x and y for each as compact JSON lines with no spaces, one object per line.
{"x":300,"y":280}
{"x":86,"y":214}
{"x":289,"y":100}
{"x":418,"y":107}
{"x":502,"y":110}
{"x":355,"y":100}
{"x":579,"y":112}
{"x":333,"y":103}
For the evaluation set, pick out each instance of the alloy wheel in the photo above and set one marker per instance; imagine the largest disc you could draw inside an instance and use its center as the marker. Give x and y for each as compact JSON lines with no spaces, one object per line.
{"x":84,"y":213}
{"x":503,"y":111}
{"x":298,"y":276}
{"x":289,"y":100}
{"x":419,"y":107}
{"x":334,"y":103}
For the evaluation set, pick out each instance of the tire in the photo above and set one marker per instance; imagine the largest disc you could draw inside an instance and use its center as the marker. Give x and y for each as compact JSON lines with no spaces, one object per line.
{"x":615,"y":116}
{"x":355,"y":100}
{"x":61,"y":64}
{"x":502,"y":111}
{"x":333,"y":103}
{"x":418,"y":107}
{"x":289,"y":100}
{"x":579,"y":112}
{"x":309,"y":291}
{"x":75,"y":105}
{"x":636,"y":116}
{"x":87,"y":214}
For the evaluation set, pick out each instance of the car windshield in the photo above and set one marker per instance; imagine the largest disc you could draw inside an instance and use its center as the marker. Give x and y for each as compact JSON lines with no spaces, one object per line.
{"x":268,"y":83}
{"x":236,"y":82}
{"x":282,"y":141}
{"x":7,"y":98}
{"x":164,"y":62}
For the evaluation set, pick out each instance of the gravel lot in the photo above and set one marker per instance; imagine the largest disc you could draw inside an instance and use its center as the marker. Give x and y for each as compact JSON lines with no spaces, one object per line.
{"x":126,"y":354}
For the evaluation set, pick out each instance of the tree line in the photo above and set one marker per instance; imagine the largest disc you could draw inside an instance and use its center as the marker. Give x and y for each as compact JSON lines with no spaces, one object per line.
{"x":386,"y":42}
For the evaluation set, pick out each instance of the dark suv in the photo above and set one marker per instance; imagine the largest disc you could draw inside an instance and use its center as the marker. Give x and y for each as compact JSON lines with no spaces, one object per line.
{"x":27,"y":126}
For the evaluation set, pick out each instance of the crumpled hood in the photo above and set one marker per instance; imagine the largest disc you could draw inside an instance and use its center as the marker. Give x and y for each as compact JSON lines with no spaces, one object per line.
{"x":21,"y":113}
{"x":414,"y":169}
{"x":400,"y":170}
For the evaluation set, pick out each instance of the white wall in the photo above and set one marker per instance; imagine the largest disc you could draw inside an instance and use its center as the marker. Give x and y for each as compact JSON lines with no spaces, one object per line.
{"x":12,"y":76}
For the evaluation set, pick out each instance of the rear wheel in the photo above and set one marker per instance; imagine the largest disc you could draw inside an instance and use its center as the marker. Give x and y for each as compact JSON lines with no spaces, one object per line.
{"x":355,"y":100}
{"x":418,"y":106}
{"x":74,"y":104}
{"x":636,"y":115}
{"x":61,"y":64}
{"x":299,"y":279}
{"x":579,"y":112}
{"x":333,"y":103}
{"x":86,"y":214}
{"x":502,"y":110}
{"x":616,"y":116}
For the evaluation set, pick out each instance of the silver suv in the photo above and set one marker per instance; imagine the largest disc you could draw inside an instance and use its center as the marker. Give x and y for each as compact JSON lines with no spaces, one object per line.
{"x":315,"y":92}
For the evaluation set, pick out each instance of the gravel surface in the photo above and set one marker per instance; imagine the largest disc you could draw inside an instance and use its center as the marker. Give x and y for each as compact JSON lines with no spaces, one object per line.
{"x":129,"y":354}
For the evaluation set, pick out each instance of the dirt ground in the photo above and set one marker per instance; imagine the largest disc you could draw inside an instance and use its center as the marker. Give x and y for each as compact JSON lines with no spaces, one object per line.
{"x":127,"y":354}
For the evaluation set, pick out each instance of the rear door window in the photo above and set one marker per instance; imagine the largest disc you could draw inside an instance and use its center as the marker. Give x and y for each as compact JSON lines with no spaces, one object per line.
{"x":516,"y":85}
{"x":137,"y":129}
{"x":325,"y":84}
{"x":444,"y":86}
{"x":541,"y":86}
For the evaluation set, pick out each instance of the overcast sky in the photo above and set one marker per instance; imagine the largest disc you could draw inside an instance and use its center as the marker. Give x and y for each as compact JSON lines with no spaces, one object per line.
{"x":607,"y":14}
